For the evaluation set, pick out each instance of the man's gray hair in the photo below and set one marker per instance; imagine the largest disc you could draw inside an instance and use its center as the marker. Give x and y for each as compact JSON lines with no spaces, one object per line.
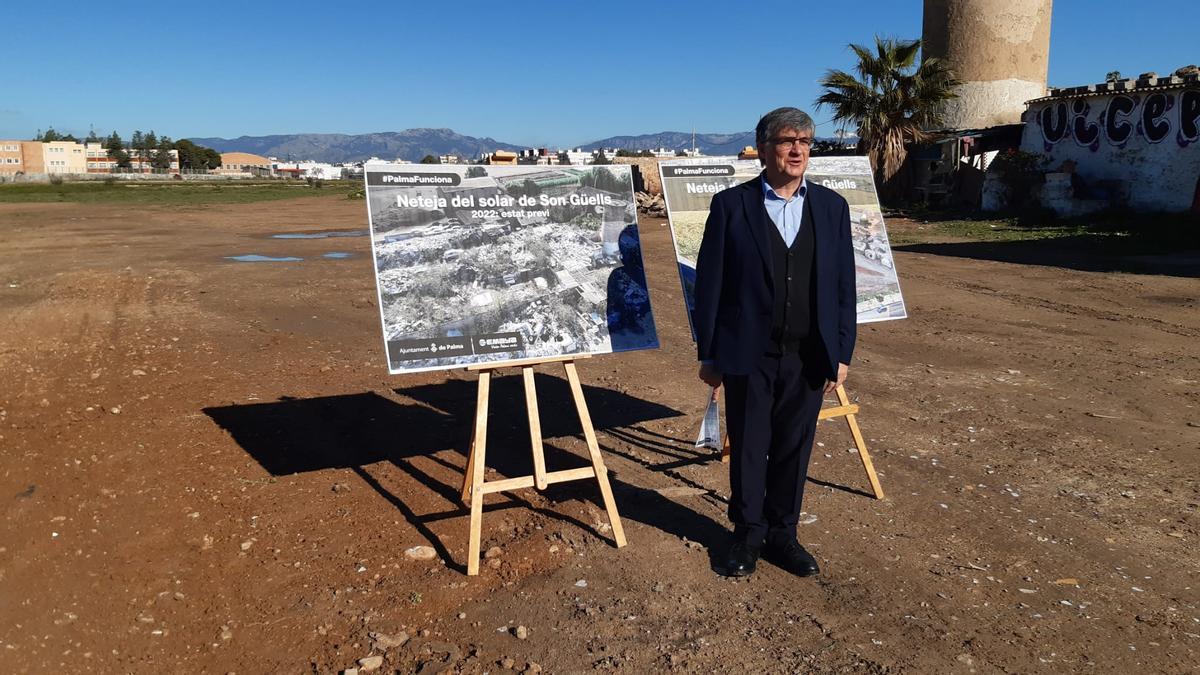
{"x":782,"y":118}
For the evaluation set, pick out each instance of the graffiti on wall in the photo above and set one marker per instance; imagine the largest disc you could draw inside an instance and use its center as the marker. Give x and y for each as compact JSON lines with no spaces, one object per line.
{"x":1126,"y":118}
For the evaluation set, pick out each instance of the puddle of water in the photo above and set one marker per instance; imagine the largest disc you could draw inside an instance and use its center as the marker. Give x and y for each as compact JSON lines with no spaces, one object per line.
{"x":337,"y":255}
{"x":254,"y":257}
{"x":320,"y":235}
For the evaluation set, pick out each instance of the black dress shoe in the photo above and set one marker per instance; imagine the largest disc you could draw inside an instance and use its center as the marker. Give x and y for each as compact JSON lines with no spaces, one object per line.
{"x":792,"y":557}
{"x":741,"y":560}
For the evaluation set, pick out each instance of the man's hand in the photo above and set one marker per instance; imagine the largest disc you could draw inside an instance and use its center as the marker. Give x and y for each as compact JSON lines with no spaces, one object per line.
{"x":843,"y":371}
{"x":709,"y":375}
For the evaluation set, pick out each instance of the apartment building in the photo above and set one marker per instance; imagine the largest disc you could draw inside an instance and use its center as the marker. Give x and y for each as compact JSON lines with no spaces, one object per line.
{"x":97,"y":158}
{"x":35,"y":157}
{"x":11,"y":160}
{"x":64,"y":157}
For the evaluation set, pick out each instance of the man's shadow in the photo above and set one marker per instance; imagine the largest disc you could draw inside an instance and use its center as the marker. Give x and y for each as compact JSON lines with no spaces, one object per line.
{"x":353,"y":431}
{"x":630,"y":321}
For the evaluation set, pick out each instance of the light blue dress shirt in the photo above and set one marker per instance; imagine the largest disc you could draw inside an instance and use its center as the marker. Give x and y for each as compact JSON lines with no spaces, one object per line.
{"x":785,"y":213}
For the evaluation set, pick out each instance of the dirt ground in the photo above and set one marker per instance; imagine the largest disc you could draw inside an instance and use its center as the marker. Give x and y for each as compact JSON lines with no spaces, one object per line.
{"x":207,"y":468}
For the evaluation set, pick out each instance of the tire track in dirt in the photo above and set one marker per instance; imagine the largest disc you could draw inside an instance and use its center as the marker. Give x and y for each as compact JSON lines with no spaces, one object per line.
{"x":1056,"y":306}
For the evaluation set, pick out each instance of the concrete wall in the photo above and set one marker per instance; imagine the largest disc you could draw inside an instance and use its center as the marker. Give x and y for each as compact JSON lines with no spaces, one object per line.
{"x":999,"y":48}
{"x":1141,"y":147}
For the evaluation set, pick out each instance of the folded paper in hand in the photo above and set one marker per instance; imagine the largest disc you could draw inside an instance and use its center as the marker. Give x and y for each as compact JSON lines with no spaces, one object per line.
{"x":710,"y":428}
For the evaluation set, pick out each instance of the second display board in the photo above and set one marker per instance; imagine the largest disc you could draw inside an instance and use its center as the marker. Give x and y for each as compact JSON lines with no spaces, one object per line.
{"x":689,"y":186}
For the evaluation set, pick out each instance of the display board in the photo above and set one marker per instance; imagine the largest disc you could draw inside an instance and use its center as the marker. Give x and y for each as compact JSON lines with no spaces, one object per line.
{"x":689,"y":186}
{"x":478,"y":264}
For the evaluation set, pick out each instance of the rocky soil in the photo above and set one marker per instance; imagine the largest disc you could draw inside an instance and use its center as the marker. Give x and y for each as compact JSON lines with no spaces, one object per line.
{"x":207,"y":468}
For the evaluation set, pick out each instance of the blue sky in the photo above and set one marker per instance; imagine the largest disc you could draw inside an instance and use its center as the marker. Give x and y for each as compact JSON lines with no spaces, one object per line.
{"x":537,"y":73}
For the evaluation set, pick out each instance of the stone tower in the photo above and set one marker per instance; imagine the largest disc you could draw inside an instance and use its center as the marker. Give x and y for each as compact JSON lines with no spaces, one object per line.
{"x":999,"y":48}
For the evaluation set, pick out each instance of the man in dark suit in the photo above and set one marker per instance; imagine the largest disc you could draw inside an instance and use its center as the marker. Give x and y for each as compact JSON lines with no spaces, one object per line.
{"x":775,"y":324}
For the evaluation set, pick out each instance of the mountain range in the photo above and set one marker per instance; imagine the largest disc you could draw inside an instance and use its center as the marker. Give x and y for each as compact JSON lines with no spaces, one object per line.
{"x":709,"y":144}
{"x":413,"y":144}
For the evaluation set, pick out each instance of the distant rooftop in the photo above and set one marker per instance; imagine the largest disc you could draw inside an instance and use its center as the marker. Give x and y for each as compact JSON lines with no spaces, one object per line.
{"x":1188,"y":76}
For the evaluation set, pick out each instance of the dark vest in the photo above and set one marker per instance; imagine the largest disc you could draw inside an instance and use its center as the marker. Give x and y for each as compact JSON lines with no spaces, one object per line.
{"x":792,"y":327}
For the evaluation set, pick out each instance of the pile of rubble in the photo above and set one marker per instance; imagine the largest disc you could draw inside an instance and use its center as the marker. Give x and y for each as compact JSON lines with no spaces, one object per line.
{"x":651,"y":205}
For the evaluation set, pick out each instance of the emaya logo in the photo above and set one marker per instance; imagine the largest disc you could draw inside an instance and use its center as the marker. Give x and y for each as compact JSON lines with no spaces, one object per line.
{"x":1123,"y":119}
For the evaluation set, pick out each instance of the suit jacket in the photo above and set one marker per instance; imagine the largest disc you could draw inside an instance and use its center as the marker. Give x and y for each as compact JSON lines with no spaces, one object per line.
{"x":735,"y":288}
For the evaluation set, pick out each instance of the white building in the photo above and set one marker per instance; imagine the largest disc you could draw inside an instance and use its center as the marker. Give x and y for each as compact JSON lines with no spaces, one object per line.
{"x":64,"y":157}
{"x":1132,"y":142}
{"x":578,"y":156}
{"x":307,"y":169}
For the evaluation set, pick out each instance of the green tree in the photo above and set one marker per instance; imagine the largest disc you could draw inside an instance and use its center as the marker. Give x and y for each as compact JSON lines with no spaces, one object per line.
{"x":92,"y":137}
{"x":430,"y":159}
{"x":187,"y":153}
{"x":601,"y":158}
{"x":893,"y":101}
{"x":212,"y":158}
{"x":162,"y":153}
{"x":830,"y":149}
{"x":564,"y":158}
{"x":137,"y":145}
{"x":51,"y":136}
{"x":196,"y":157}
{"x":1113,"y":76}
{"x":116,"y":151}
{"x":149,"y":146}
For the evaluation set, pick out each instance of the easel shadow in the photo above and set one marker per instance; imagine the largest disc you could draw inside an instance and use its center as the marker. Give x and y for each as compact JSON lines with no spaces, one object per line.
{"x":353,"y":431}
{"x":842,"y":488}
{"x":617,"y":415}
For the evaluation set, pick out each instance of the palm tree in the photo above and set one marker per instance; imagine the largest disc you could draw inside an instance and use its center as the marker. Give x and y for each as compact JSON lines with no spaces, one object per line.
{"x":893,"y":102}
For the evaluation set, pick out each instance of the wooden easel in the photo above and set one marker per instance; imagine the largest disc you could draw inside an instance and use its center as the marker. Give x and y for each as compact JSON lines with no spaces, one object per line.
{"x":475,"y":488}
{"x":848,"y":410}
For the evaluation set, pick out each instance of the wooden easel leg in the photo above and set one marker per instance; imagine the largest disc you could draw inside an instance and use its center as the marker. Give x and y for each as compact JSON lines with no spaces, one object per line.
{"x":535,"y":430}
{"x":844,"y":400}
{"x":585,"y":419}
{"x":469,"y":473}
{"x":725,"y":450}
{"x":478,"y":459}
